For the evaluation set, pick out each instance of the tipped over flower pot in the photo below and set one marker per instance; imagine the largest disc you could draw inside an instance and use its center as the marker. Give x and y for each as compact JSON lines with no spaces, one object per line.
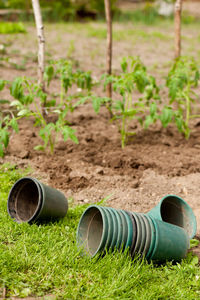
{"x":104,"y":228}
{"x":174,"y":210}
{"x":30,"y":200}
{"x":171,"y":242}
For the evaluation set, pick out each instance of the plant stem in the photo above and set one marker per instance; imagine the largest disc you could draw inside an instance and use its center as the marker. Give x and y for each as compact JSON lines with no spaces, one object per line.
{"x":127,"y":106}
{"x":187,"y":110}
{"x":187,"y":118}
{"x":61,"y":92}
{"x":51,"y":144}
{"x":39,"y":114}
{"x":123,"y":131}
{"x":194,"y":116}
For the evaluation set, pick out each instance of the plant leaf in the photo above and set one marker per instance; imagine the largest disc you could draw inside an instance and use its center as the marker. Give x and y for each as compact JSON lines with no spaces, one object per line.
{"x":96,"y":103}
{"x":1,"y":149}
{"x":16,"y":89}
{"x":23,"y":112}
{"x":39,"y":148}
{"x":193,"y":243}
{"x":166,"y":116}
{"x":148,"y":121}
{"x":69,"y":132}
{"x":49,"y":74}
{"x":14,"y":125}
{"x":4,"y":136}
{"x":2,"y":84}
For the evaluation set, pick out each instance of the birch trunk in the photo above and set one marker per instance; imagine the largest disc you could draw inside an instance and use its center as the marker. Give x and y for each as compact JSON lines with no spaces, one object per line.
{"x":41,"y":41}
{"x":177,"y":24}
{"x":109,"y":44}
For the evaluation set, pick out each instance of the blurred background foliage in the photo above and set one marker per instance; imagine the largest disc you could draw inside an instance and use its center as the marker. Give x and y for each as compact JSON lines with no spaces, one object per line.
{"x":146,"y":11}
{"x":62,"y":9}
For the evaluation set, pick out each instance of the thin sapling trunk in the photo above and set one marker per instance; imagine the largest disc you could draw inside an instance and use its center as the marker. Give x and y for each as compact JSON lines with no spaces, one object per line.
{"x":41,"y":42}
{"x":177,"y":24}
{"x":109,"y":44}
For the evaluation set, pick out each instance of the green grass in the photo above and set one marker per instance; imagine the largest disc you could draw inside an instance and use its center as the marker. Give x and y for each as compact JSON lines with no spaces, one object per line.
{"x":135,"y":34}
{"x":149,"y":15}
{"x":43,"y":260}
{"x":8,"y":27}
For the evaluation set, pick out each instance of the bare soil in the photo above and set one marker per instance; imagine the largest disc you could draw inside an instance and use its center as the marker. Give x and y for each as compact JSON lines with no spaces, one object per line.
{"x":155,"y":163}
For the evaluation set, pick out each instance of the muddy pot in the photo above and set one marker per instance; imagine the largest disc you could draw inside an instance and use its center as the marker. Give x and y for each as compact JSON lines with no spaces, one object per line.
{"x":30,"y":200}
{"x":174,"y":210}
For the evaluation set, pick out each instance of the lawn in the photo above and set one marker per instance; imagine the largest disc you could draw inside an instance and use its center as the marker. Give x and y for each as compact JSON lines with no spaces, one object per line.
{"x":42,"y":260}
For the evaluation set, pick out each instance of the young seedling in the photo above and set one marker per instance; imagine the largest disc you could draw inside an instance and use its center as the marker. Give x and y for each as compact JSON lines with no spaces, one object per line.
{"x":181,"y":81}
{"x":10,"y":27}
{"x":29,"y":98}
{"x":63,"y":70}
{"x":134,"y":78}
{"x":7,"y":121}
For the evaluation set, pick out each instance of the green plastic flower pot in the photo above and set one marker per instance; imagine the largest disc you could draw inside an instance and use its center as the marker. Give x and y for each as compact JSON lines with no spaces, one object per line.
{"x":148,"y":236}
{"x":110,"y":232}
{"x":130,"y":229}
{"x":92,"y":232}
{"x":124,"y":229}
{"x":174,"y":210}
{"x":115,"y":228}
{"x":30,"y":200}
{"x":171,"y":243}
{"x":119,"y":228}
{"x":153,"y":238}
{"x":134,"y":232}
{"x":103,"y":228}
{"x":143,"y":235}
{"x":139,"y":235}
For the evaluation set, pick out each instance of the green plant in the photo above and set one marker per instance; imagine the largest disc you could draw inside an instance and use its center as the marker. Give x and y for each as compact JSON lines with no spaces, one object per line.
{"x":7,"y":122}
{"x":194,"y":243}
{"x":63,"y":70}
{"x":71,"y":49}
{"x":2,"y":49}
{"x":182,"y":80}
{"x":31,"y":100}
{"x":8,"y":27}
{"x":147,"y":14}
{"x":27,"y":93}
{"x":18,"y":66}
{"x":134,"y":78}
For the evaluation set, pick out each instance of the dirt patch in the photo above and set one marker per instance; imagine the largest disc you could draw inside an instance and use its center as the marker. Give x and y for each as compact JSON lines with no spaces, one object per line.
{"x":155,"y":163}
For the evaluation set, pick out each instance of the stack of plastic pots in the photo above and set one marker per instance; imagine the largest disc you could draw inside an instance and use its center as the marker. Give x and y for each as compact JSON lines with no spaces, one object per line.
{"x":104,"y":228}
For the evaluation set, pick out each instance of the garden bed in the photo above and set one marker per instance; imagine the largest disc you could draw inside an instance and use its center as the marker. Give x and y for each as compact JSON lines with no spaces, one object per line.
{"x":154,"y":163}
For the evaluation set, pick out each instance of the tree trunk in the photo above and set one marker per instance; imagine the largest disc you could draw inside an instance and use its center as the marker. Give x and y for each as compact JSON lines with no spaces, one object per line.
{"x":41,"y":41}
{"x":109,"y":44}
{"x":177,"y":24}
